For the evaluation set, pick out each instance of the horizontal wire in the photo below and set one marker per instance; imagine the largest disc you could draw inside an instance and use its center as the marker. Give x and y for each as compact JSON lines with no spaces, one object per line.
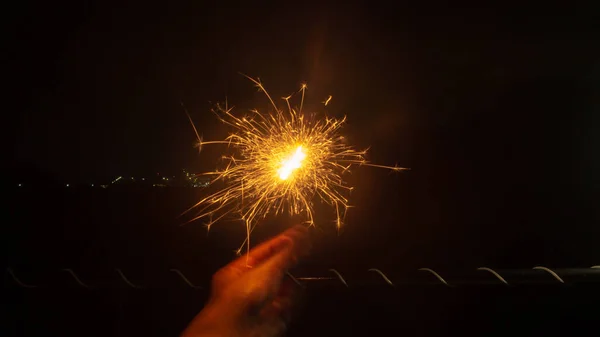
{"x":573,"y":275}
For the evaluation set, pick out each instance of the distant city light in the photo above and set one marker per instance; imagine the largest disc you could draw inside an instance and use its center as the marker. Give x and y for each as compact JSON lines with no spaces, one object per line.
{"x":187,"y":179}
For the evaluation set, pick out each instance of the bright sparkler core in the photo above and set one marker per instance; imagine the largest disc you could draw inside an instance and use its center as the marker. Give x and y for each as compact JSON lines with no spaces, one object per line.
{"x":280,"y":161}
{"x":292,"y":163}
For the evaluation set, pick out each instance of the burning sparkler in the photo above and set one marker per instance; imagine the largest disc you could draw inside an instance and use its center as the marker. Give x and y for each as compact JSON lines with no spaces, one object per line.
{"x":280,"y":161}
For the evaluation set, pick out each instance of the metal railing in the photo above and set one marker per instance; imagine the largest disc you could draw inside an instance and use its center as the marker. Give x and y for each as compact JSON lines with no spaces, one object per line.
{"x":482,"y":276}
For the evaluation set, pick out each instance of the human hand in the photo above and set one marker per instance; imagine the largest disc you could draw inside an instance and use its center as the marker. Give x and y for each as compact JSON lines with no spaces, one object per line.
{"x":249,"y":296}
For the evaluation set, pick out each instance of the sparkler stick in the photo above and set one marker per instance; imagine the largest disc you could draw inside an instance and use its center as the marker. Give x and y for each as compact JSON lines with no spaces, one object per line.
{"x":279,"y":161}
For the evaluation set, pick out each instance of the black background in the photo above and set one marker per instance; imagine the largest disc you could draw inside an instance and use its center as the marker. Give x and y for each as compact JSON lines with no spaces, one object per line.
{"x":493,"y":109}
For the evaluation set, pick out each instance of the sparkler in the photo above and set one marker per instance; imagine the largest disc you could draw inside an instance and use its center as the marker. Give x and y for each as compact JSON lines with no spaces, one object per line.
{"x":279,"y":161}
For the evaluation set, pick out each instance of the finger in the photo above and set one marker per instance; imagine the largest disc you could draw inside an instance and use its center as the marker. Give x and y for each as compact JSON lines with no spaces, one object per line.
{"x":273,"y":269}
{"x":267,"y":249}
{"x":275,"y":266}
{"x":279,"y":307}
{"x":283,"y":302}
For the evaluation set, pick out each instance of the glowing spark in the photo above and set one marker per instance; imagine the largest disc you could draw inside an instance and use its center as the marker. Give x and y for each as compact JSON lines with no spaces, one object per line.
{"x":198,"y":144}
{"x":291,"y":164}
{"x":280,"y":161}
{"x":327,"y":100}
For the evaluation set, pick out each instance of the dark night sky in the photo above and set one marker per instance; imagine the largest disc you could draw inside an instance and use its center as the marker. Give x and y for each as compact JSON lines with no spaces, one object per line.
{"x":495,"y":110}
{"x":447,"y":91}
